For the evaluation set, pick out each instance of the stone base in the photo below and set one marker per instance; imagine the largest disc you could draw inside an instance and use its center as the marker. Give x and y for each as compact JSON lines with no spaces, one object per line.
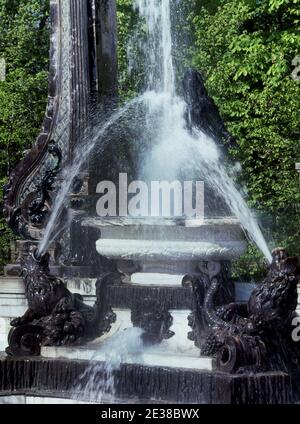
{"x":154,"y":380}
{"x":140,"y":382}
{"x":35,"y":399}
{"x":154,"y":356}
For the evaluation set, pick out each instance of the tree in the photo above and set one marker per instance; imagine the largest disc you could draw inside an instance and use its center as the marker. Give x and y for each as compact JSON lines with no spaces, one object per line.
{"x":245,"y":50}
{"x":24,"y":45}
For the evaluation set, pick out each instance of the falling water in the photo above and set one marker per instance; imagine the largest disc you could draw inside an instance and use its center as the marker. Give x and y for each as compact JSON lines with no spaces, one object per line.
{"x":173,"y":146}
{"x":98,"y":382}
{"x":158,"y":45}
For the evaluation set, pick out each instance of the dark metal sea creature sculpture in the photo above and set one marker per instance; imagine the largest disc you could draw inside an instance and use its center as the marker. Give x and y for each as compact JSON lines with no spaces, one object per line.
{"x":55,"y":316}
{"x":255,"y":336}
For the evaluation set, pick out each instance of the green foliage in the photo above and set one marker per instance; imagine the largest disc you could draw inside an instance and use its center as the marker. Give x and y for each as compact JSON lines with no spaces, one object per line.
{"x":245,"y":50}
{"x":130,"y":31}
{"x":24,"y":44}
{"x":251,"y":267}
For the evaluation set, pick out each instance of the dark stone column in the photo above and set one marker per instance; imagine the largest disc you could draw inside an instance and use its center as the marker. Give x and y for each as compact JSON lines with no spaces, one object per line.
{"x":105,"y":30}
{"x":80,"y":79}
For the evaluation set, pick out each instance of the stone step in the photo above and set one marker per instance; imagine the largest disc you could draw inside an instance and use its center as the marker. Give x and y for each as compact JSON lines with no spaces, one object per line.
{"x":11,"y":285}
{"x":39,"y":400}
{"x":86,"y":286}
{"x":157,"y":279}
{"x":150,"y":357}
{"x":120,"y":295}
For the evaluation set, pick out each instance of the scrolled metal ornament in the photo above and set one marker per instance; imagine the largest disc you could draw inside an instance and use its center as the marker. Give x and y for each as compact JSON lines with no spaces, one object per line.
{"x":25,"y":340}
{"x":34,"y":207}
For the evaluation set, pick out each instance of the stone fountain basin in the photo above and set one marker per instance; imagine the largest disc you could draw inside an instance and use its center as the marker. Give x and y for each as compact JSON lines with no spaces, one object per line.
{"x":169,"y":240}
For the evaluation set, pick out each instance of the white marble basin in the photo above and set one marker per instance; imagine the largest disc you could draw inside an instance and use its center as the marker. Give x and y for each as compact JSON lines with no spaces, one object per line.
{"x":169,"y":240}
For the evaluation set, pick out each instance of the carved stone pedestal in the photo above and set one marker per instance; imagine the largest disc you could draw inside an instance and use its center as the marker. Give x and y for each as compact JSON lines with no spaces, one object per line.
{"x":160,"y":262}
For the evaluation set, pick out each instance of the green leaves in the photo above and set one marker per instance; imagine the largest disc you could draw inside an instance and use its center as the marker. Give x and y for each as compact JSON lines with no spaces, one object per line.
{"x":24,"y":43}
{"x":129,"y":28}
{"x":245,"y":51}
{"x":276,"y":4}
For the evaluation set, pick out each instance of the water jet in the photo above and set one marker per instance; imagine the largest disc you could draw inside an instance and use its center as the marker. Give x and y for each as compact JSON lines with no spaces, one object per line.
{"x":156,"y":289}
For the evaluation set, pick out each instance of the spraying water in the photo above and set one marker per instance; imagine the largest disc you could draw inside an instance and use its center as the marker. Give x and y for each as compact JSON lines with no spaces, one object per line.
{"x":173,"y":146}
{"x":69,"y":174}
{"x":99,"y":380}
{"x":158,"y":45}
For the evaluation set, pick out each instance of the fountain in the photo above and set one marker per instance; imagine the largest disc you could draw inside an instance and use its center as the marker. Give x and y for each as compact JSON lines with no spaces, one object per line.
{"x":138,"y":306}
